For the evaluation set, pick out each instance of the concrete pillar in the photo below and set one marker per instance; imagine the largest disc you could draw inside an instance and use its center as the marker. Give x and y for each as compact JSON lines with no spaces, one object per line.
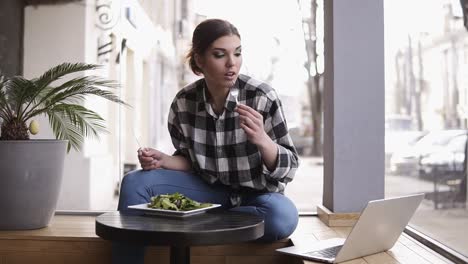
{"x":11,"y":37}
{"x":354,"y":106}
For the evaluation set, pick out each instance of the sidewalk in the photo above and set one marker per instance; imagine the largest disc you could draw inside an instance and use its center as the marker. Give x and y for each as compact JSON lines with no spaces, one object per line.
{"x":307,"y":187}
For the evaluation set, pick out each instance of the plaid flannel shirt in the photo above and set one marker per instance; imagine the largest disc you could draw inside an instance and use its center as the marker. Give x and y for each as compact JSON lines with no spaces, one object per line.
{"x":217,"y":146}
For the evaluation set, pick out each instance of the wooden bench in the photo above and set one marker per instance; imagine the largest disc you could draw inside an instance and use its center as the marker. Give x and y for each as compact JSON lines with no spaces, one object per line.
{"x":72,"y":239}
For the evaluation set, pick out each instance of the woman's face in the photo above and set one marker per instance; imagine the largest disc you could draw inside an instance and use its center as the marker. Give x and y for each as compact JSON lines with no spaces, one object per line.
{"x":222,"y":61}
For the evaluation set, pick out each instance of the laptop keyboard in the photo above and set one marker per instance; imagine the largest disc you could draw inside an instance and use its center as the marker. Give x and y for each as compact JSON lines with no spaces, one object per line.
{"x":326,"y":252}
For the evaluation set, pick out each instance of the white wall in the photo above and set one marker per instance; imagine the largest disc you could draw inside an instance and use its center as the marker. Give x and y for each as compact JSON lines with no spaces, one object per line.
{"x":62,"y":33}
{"x":68,"y":33}
{"x":52,"y":35}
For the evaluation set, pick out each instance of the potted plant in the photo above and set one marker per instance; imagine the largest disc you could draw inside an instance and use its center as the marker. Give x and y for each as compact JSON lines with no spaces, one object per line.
{"x":31,"y":170}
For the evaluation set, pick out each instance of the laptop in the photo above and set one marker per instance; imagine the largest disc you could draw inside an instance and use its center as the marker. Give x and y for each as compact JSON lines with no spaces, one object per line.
{"x":377,"y":229}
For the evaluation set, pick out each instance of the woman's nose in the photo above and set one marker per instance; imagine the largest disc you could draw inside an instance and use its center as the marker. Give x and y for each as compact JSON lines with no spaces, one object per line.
{"x":230,"y":62}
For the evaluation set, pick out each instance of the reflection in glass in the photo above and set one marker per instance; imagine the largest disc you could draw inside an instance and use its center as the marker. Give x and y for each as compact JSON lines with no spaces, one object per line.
{"x":426,"y":67}
{"x":142,"y":44}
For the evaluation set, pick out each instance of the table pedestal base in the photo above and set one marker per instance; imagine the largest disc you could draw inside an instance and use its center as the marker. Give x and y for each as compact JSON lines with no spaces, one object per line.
{"x":180,"y":255}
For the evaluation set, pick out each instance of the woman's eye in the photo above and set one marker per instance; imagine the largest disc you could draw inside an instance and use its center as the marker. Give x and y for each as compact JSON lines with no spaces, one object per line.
{"x":218,"y":55}
{"x":238,"y":54}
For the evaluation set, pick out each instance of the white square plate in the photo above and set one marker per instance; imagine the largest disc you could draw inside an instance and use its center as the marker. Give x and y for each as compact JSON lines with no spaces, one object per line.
{"x":162,"y":212}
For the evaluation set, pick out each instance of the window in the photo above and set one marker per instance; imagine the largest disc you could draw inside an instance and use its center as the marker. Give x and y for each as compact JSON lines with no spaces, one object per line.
{"x":426,"y":91}
{"x":142,"y":46}
{"x":274,"y":50}
{"x":426,"y":83}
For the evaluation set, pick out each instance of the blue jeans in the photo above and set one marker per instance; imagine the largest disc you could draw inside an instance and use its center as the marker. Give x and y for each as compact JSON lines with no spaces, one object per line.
{"x":138,"y":187}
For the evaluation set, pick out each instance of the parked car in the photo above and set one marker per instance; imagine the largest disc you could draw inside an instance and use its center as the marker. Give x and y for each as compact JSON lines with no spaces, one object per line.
{"x":397,"y":122}
{"x":447,"y":163}
{"x":397,"y":140}
{"x":406,"y":161}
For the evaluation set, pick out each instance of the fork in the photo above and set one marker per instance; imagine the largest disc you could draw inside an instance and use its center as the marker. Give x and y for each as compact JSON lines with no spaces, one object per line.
{"x":235,"y":93}
{"x":136,"y":138}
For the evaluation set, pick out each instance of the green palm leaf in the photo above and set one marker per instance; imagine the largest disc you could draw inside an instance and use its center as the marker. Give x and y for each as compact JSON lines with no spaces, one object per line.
{"x":4,"y":108}
{"x":61,"y":70}
{"x":74,"y":122}
{"x":74,"y":91}
{"x":19,"y":91}
{"x":22,"y":99}
{"x":42,"y":83}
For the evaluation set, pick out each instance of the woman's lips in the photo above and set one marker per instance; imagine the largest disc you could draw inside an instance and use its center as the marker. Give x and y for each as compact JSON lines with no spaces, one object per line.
{"x":230,"y":76}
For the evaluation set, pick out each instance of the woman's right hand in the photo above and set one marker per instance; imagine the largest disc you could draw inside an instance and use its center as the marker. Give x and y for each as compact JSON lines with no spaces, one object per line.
{"x":150,"y":158}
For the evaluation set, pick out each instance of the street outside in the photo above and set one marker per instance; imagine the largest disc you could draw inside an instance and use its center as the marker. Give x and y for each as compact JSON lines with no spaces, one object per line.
{"x":449,"y":224}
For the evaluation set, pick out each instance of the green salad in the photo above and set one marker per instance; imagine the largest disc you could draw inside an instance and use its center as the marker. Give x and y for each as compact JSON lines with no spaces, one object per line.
{"x":175,"y":202}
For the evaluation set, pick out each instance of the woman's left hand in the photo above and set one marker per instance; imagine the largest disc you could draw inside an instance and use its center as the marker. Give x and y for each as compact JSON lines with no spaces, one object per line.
{"x":251,"y":122}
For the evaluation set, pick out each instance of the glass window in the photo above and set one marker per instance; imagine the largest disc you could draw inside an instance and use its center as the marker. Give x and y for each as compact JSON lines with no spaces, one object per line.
{"x":81,"y":32}
{"x":426,"y":84}
{"x":457,"y":144}
{"x":142,"y":45}
{"x":274,"y":50}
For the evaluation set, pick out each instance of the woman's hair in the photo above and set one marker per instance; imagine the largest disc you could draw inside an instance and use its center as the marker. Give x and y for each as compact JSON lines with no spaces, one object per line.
{"x":206,"y":33}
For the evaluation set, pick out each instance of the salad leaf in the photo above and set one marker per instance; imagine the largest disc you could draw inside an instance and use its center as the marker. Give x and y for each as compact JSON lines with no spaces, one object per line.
{"x":176,"y":202}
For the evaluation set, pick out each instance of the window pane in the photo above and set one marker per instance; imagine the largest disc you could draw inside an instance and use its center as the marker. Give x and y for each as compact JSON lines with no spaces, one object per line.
{"x":142,"y":45}
{"x":80,"y":32}
{"x":274,"y":51}
{"x":426,"y":117}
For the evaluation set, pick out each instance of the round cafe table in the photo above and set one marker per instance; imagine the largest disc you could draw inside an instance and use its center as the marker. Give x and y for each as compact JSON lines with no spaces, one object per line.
{"x":210,"y":228}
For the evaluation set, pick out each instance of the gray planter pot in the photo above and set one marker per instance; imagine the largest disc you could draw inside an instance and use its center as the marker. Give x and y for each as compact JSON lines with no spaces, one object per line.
{"x":30,"y":181}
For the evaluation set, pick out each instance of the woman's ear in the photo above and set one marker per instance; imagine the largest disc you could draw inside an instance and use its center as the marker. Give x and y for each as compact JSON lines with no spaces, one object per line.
{"x":199,"y":61}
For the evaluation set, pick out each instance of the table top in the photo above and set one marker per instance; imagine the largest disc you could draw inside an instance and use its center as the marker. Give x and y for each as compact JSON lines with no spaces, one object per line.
{"x":210,"y":228}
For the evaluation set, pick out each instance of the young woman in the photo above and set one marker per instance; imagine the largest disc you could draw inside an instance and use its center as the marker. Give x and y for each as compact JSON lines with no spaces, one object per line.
{"x":231,"y":140}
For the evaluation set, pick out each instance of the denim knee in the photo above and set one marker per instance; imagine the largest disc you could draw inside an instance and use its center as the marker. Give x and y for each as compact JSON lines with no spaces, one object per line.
{"x":281,"y":223}
{"x":131,"y":180}
{"x":132,"y":190}
{"x":281,"y":217}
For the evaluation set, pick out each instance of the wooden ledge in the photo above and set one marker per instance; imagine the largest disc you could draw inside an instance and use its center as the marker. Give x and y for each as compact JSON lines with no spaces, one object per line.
{"x":61,"y":228}
{"x":72,"y":238}
{"x":336,"y":219}
{"x":406,"y":251}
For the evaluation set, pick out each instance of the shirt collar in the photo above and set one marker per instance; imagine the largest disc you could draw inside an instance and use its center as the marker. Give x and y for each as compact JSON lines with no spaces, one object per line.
{"x":230,"y":100}
{"x":201,"y":96}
